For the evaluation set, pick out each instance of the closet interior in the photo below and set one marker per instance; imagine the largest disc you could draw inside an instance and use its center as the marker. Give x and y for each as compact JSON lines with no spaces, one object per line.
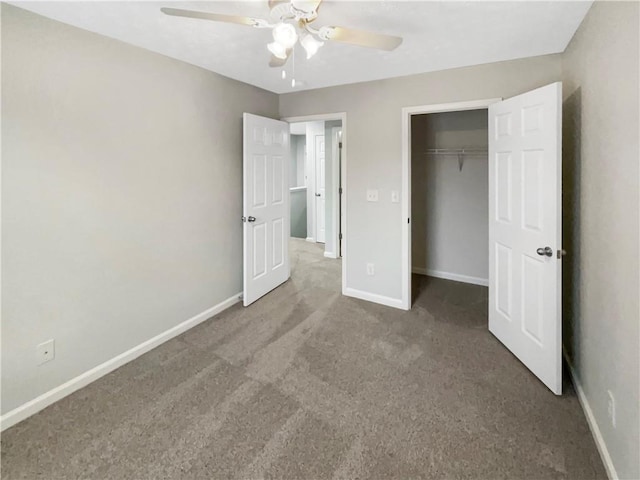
{"x":450,"y":196}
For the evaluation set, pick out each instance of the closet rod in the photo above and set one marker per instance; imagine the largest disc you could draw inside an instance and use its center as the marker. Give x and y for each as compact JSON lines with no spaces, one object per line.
{"x":460,"y":152}
{"x":455,"y":151}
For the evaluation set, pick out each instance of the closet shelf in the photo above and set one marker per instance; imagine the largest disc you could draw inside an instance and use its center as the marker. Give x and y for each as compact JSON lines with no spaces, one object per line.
{"x":459,"y":152}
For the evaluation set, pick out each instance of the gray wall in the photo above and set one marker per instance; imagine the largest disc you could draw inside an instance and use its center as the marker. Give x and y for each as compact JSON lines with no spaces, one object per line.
{"x":121,"y":196}
{"x":296,"y":164}
{"x":297,"y":179}
{"x":301,"y":158}
{"x":374,"y":149}
{"x":600,"y":156}
{"x":450,"y":207}
{"x":299,"y":213}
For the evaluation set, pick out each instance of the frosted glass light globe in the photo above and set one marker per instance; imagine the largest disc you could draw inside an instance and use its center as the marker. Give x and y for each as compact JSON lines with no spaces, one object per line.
{"x":285,"y":34}
{"x":277,"y":49}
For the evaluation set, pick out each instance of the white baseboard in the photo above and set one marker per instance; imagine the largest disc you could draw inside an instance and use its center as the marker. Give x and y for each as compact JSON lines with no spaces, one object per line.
{"x":591,"y":421}
{"x":373,"y":297}
{"x":34,"y":406}
{"x":451,"y":276}
{"x":310,"y":239}
{"x":330,"y":255}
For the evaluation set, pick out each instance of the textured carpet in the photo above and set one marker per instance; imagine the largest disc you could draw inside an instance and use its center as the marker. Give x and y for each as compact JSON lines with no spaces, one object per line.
{"x":308,"y":384}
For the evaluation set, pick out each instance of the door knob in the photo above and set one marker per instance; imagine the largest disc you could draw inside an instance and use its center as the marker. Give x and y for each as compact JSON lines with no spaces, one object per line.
{"x":546,"y":251}
{"x":251,"y":219}
{"x":317,"y":194}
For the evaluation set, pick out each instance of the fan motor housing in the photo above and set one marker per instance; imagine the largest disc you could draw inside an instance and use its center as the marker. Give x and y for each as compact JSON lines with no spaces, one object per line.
{"x":299,"y":10}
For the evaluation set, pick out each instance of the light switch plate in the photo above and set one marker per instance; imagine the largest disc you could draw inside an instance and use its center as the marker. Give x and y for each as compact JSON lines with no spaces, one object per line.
{"x":372,"y":195}
{"x":395,"y":196}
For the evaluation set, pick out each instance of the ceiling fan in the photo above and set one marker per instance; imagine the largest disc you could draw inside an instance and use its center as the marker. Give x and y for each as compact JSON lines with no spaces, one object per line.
{"x":291,"y":21}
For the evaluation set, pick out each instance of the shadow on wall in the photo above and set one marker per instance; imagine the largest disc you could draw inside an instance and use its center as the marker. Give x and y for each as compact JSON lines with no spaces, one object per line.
{"x":571,"y":175}
{"x":299,"y":213}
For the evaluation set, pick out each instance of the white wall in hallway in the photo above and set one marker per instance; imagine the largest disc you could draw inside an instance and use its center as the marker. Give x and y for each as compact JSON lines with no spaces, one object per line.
{"x":313,"y":130}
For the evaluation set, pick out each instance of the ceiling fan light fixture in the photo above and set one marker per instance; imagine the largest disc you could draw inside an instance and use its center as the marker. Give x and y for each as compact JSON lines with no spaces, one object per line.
{"x":310,"y":45}
{"x":285,"y":34}
{"x":325,"y":33}
{"x":305,"y":9}
{"x":305,"y":5}
{"x":278,"y":50}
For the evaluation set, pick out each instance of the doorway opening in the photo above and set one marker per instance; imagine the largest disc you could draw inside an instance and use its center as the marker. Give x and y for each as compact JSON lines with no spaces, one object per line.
{"x":315,"y":183}
{"x":450,"y":198}
{"x":449,"y":212}
{"x":318,"y":183}
{"x":439,"y":146}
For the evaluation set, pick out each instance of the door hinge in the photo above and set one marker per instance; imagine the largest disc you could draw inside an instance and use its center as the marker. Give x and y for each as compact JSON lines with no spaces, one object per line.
{"x":340,"y":190}
{"x":408,"y":220}
{"x":340,"y":236}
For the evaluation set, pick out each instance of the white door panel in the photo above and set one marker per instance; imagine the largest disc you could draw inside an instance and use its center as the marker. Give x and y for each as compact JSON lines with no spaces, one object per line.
{"x":525,"y":215}
{"x":320,"y":189}
{"x":265,"y":206}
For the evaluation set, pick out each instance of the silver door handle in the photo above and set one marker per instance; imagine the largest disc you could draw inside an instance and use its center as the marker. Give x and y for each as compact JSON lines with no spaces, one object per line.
{"x":546,"y":251}
{"x":251,"y":219}
{"x":317,"y":194}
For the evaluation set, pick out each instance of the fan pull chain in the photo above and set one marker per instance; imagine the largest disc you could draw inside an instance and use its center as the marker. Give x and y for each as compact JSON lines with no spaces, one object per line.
{"x":293,"y":73}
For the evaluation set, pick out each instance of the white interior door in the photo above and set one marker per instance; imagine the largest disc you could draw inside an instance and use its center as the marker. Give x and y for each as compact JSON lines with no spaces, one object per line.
{"x":525,"y":229}
{"x":266,"y":215}
{"x":321,"y":215}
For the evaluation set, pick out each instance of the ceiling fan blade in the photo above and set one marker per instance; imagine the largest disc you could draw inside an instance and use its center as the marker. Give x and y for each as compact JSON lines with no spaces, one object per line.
{"x":216,"y":17}
{"x":361,"y":38}
{"x":279,"y":62}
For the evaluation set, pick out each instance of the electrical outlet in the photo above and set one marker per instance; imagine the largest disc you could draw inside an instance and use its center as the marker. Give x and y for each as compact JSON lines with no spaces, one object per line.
{"x":611,"y":408}
{"x":45,"y":352}
{"x":372,"y":195}
{"x":370,"y":269}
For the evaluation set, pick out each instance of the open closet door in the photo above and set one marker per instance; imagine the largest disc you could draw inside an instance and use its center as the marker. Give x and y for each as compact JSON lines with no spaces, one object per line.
{"x":525,"y":229}
{"x":266,"y":216}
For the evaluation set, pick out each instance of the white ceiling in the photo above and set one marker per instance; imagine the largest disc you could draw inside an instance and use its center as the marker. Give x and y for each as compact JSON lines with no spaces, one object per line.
{"x":437,"y":35}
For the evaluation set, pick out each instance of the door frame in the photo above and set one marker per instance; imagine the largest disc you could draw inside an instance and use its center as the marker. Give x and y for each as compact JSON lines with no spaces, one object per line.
{"x":336,"y":139}
{"x":407,"y":112}
{"x":342,"y":116}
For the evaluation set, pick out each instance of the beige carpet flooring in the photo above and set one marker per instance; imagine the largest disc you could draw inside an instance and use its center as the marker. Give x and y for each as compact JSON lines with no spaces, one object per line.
{"x":308,"y":384}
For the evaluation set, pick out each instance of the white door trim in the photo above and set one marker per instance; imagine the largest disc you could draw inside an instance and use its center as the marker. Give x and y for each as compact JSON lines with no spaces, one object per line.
{"x":342,"y":116}
{"x":335,"y":196}
{"x":407,"y":112}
